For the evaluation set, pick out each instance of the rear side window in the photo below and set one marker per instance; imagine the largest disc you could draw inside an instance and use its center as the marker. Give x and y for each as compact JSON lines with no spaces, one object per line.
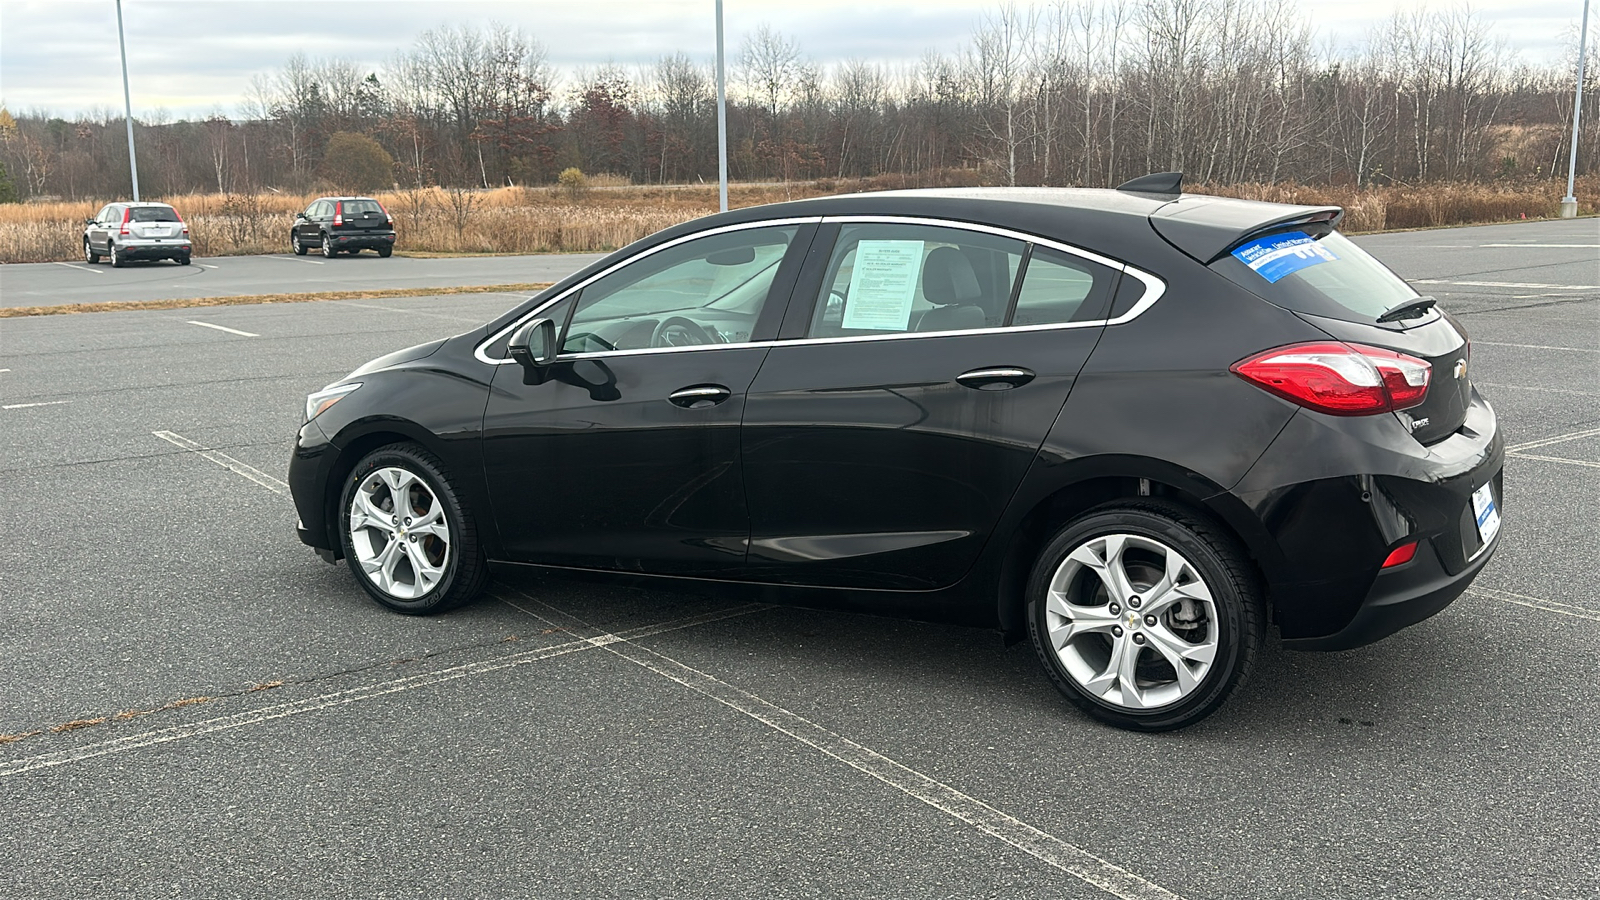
{"x":1058,"y":287}
{"x":1323,"y":276}
{"x":153,"y":214}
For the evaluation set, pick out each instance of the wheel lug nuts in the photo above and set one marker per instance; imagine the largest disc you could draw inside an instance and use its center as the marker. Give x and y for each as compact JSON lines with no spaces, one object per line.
{"x":1116,"y":630}
{"x":1116,"y":608}
{"x":1138,"y":638}
{"x":1150,"y":620}
{"x":1134,"y":602}
{"x":412,"y":538}
{"x":395,"y":520}
{"x":408,"y":521}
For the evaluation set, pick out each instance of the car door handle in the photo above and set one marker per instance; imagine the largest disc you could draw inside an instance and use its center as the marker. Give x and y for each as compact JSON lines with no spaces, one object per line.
{"x":996,"y":378}
{"x":699,"y":396}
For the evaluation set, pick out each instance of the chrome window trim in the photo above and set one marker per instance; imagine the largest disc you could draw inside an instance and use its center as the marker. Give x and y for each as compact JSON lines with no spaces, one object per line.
{"x":478,"y":351}
{"x":1155,"y":288}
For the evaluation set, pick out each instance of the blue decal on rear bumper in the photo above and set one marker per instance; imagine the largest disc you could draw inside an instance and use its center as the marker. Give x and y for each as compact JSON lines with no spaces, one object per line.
{"x":1277,"y":255}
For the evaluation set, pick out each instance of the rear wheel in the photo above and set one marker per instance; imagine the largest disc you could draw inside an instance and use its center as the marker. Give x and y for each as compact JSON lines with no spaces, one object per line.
{"x":385,"y":251}
{"x":1146,"y":615}
{"x":89,"y":256}
{"x":117,"y":259}
{"x":407,"y":537}
{"x":182,"y":260}
{"x":327,"y":247}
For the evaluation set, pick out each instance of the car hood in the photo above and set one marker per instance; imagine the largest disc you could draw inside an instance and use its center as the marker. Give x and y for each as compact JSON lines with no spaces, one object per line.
{"x":409,"y":354}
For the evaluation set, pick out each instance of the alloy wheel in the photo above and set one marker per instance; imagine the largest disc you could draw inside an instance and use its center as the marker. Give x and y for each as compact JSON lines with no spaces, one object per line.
{"x":399,"y":533}
{"x":1131,"y":621}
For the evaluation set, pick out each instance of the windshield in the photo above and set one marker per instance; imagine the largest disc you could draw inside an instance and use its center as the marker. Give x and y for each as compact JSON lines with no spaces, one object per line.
{"x":1326,"y":276}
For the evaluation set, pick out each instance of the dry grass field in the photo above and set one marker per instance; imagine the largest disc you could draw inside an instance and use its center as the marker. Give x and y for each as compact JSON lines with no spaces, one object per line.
{"x":609,"y":214}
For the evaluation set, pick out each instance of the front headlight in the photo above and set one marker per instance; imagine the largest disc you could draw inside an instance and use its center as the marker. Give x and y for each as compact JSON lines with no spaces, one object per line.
{"x":317,"y":403}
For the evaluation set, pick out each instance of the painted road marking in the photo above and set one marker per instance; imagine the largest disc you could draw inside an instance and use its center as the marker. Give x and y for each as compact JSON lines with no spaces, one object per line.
{"x":314,"y":262}
{"x":1069,"y":858}
{"x":80,"y":268}
{"x":223,"y":328}
{"x":30,"y":405}
{"x":1556,"y":459}
{"x":353,"y":695}
{"x":1565,"y":609}
{"x":1531,"y":285}
{"x":1536,"y":347}
{"x":1557,"y":439}
{"x":225,"y":461}
{"x":1576,"y":246}
{"x":1528,"y":387}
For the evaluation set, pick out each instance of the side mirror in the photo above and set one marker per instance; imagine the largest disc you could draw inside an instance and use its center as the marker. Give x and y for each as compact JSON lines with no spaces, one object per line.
{"x":533,"y":346}
{"x":91,"y":222}
{"x":299,"y":215}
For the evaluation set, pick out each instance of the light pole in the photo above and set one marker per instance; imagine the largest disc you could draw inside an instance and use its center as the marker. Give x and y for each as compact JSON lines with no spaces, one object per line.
{"x":722,"y":115}
{"x":1569,"y":203}
{"x":127,"y":103}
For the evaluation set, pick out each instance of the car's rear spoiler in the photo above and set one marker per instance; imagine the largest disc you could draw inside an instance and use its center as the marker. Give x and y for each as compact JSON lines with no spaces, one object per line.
{"x":1206,"y":227}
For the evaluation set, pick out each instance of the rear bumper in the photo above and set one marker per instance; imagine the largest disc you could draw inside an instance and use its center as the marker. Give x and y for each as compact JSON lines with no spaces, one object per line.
{"x":152,"y":249}
{"x":1401,"y":596}
{"x":362,"y":241}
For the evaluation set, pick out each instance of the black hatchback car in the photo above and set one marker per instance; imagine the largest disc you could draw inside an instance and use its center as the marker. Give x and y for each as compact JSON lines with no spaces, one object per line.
{"x":343,"y":225}
{"x":1135,"y":425}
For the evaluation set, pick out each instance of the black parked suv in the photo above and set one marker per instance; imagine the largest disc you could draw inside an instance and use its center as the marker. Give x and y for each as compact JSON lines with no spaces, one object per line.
{"x":1136,"y":426}
{"x":343,"y":224}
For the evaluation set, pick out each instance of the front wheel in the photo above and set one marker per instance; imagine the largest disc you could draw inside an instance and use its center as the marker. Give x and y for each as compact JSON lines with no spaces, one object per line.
{"x":408,"y":538}
{"x":295,"y":245}
{"x":1145,"y":615}
{"x":89,"y":256}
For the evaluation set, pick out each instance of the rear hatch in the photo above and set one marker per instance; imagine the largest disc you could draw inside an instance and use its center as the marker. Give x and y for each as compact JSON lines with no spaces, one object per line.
{"x":1324,"y":278}
{"x":154,"y":222}
{"x":360,"y":217}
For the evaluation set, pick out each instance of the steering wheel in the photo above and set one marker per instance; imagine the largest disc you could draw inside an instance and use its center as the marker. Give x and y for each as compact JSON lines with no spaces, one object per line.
{"x":676,"y":331}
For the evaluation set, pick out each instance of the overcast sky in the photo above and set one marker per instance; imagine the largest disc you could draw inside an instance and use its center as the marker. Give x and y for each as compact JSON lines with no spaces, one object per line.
{"x":191,"y":57}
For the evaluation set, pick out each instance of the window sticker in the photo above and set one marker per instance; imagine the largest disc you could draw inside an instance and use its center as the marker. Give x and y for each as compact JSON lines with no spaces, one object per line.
{"x":1277,"y":255}
{"x":883,"y":284}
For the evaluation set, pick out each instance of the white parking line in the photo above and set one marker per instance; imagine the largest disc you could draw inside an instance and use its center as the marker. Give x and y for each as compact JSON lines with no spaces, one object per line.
{"x":81,"y":268}
{"x":1536,"y":347}
{"x":29,"y":405}
{"x":204,"y":266}
{"x":341,"y":698}
{"x":225,"y":461}
{"x":1071,"y":859}
{"x":1578,"y":246}
{"x":1528,"y":387}
{"x":1531,"y":285}
{"x":223,"y":328}
{"x":1556,"y":459}
{"x":314,"y":262}
{"x":1556,"y":439}
{"x":1565,"y":609}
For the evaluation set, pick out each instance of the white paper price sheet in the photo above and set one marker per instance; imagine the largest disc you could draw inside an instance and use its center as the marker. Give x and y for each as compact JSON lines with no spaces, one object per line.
{"x":883,"y":284}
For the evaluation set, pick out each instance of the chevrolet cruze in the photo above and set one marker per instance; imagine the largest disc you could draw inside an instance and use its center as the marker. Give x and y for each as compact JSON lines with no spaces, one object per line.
{"x":1135,"y":426}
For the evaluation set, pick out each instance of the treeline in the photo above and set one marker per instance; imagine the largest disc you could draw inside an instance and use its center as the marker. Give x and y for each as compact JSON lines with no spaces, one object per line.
{"x":1079,"y":92}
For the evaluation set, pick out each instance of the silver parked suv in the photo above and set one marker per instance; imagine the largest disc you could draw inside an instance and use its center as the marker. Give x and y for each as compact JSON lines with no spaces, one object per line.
{"x":125,"y":231}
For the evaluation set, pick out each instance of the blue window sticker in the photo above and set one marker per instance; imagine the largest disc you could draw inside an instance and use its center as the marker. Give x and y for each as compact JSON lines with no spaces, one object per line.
{"x":1277,"y":255}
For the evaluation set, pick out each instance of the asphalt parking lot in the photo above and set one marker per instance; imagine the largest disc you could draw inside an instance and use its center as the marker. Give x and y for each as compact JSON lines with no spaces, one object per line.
{"x":200,"y":707}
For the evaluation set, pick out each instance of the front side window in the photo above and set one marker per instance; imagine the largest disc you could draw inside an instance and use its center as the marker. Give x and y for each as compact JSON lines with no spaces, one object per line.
{"x":889,"y":278}
{"x":709,"y":290}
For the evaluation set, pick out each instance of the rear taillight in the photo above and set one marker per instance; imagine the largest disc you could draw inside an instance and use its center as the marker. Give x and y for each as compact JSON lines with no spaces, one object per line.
{"x":126,"y":215}
{"x":338,"y":213}
{"x":181,"y":221}
{"x":1339,"y":379}
{"x":388,"y":220}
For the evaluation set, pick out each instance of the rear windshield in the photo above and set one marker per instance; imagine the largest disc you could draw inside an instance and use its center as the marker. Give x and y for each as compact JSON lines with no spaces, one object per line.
{"x":1322,"y":276}
{"x":152,"y":214}
{"x":357,"y":207}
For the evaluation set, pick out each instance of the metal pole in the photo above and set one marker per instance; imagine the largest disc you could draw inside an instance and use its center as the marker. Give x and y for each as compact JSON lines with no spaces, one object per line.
{"x":722,"y":115}
{"x":1569,"y":203}
{"x":127,"y":104}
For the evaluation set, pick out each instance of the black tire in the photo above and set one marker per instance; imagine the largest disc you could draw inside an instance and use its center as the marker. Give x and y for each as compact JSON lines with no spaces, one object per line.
{"x":295,"y":245}
{"x":89,"y":254}
{"x":465,"y":570}
{"x":327,"y":247}
{"x":182,"y":260}
{"x":1229,"y":628}
{"x":384,"y":252}
{"x":117,"y":259}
